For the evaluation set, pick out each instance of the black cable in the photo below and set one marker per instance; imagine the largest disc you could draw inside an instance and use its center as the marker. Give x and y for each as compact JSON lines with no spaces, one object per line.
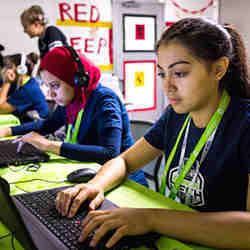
{"x":152,"y":246}
{"x":22,"y":189}
{"x":12,"y":241}
{"x":4,"y":236}
{"x":37,"y":179}
{"x":17,"y":182}
{"x":29,"y":168}
{"x":33,"y":167}
{"x":19,"y":168}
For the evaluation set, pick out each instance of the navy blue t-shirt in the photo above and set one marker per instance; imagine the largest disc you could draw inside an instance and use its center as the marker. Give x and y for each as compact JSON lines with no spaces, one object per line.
{"x":221,"y":181}
{"x":29,"y":97}
{"x":51,"y":38}
{"x":104,"y":130}
{"x":12,"y":87}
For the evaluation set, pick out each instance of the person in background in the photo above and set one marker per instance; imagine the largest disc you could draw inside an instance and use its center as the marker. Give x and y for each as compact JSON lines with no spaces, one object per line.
{"x":27,"y":100}
{"x":1,"y":67}
{"x":13,"y":86}
{"x":96,"y":120}
{"x":205,"y":137}
{"x":1,"y":56}
{"x":35,"y":25}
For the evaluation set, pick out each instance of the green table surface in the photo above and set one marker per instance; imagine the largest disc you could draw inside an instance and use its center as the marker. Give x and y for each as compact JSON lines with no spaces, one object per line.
{"x":9,"y":120}
{"x":129,"y":194}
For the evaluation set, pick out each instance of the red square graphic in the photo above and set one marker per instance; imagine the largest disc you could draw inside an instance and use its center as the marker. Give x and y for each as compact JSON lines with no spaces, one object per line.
{"x":140,"y":32}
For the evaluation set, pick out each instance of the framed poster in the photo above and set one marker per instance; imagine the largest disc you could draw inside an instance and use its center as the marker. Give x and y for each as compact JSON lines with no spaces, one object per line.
{"x":88,"y":27}
{"x":140,"y":84}
{"x":139,"y":33}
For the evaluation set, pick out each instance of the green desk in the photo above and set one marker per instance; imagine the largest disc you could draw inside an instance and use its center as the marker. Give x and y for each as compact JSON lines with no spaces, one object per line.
{"x":128,"y":194}
{"x":9,"y":120}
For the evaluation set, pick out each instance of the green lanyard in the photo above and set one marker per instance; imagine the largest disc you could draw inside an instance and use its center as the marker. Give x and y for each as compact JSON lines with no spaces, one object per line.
{"x":25,"y":80}
{"x":212,"y":125}
{"x":76,"y":129}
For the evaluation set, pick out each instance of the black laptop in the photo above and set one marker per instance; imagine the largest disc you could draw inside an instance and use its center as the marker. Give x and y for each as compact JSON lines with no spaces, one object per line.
{"x":28,"y":154}
{"x":35,"y":223}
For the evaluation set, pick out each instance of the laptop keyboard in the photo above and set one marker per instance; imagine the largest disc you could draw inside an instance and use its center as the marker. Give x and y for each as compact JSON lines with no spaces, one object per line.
{"x":42,"y":205}
{"x":28,"y":154}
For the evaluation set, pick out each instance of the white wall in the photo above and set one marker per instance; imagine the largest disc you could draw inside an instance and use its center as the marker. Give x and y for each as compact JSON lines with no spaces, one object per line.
{"x":16,"y":41}
{"x":237,"y":13}
{"x":12,"y":36}
{"x":201,"y":7}
{"x":146,"y":8}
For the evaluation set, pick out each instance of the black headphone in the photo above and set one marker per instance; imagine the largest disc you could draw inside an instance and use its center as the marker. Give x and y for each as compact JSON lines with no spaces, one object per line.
{"x":81,"y":78}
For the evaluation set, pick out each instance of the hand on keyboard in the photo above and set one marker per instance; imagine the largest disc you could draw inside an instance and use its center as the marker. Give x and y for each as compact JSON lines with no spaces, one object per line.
{"x":69,"y":200}
{"x":42,"y":205}
{"x":125,"y":243}
{"x":121,"y":222}
{"x":20,"y":143}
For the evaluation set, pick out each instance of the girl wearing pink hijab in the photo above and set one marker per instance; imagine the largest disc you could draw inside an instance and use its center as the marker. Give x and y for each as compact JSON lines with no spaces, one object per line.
{"x":97,"y":124}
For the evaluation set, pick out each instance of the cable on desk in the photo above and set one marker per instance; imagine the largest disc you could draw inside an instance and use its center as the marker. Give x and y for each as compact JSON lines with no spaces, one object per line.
{"x":34,"y":167}
{"x":18,"y":182}
{"x":19,"y":168}
{"x":12,"y":241}
{"x":22,"y":189}
{"x":152,"y":246}
{"x":4,"y":236}
{"x":37,"y":179}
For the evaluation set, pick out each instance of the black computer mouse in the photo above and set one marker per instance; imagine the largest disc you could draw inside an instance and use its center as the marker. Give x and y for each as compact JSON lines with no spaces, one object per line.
{"x":81,"y":175}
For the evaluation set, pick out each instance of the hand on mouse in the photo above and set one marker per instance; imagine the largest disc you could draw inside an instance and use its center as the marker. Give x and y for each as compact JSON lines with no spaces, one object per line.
{"x":69,"y":200}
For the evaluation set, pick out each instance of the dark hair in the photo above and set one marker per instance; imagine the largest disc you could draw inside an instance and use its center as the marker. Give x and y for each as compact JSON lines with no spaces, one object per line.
{"x":15,"y":60}
{"x":1,"y":47}
{"x":209,"y":42}
{"x":1,"y":60}
{"x":33,"y":14}
{"x":1,"y":56}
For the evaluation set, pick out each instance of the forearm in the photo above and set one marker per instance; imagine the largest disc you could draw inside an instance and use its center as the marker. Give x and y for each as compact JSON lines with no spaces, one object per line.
{"x":5,"y":107}
{"x":114,"y":171}
{"x":4,"y":92}
{"x":53,"y":147}
{"x":43,"y":127}
{"x":110,"y":175}
{"x":88,"y":153}
{"x":27,"y":127}
{"x":5,"y":131}
{"x":218,"y":229}
{"x":102,"y":150}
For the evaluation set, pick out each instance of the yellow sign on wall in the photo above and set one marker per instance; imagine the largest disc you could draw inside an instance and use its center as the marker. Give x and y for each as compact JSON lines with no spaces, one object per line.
{"x":140,"y":84}
{"x":139,"y":79}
